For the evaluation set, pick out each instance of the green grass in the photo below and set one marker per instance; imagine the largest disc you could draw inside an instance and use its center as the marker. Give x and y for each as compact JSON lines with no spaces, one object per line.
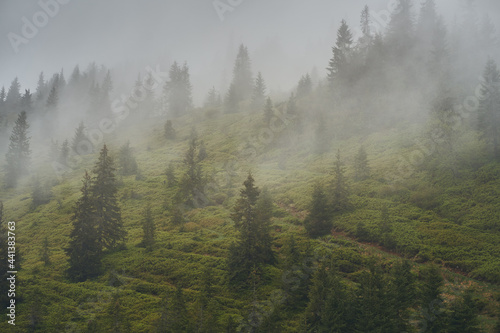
{"x":452,"y":225}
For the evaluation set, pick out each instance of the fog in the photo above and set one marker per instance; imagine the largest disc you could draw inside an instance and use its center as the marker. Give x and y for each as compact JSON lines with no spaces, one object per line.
{"x":285,"y":38}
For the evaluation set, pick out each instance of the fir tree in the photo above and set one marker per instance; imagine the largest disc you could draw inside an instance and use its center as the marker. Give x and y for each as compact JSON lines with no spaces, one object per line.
{"x":213,"y":99}
{"x":179,"y":321}
{"x":13,"y":96}
{"x":464,"y":314}
{"x":64,"y":153}
{"x":374,"y":310}
{"x":321,"y":137}
{"x":170,"y":173}
{"x":386,"y":238}
{"x":202,"y":152}
{"x":3,"y":109}
{"x":148,"y":228}
{"x":169,"y":130}
{"x":339,"y":190}
{"x":178,"y":90}
{"x":338,"y":68}
{"x":304,"y":87}
{"x":40,"y":87}
{"x":53,"y":99}
{"x":242,"y":75}
{"x":127,"y":162}
{"x":268,"y":111}
{"x":430,"y":298}
{"x":231,"y":102}
{"x":18,"y":156}
{"x":400,"y":32}
{"x":318,"y":222}
{"x":84,"y":250}
{"x":26,"y":102}
{"x":38,"y":195}
{"x":403,"y":292}
{"x":361,"y":168}
{"x":259,"y":93}
{"x":489,"y":108}
{"x":192,"y":183}
{"x":117,"y":320}
{"x":110,"y":229}
{"x":251,"y":218}
{"x":81,"y":145}
{"x":365,"y":41}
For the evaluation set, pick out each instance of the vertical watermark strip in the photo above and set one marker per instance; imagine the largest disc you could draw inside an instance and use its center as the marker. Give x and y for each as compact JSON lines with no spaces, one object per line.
{"x":11,"y":260}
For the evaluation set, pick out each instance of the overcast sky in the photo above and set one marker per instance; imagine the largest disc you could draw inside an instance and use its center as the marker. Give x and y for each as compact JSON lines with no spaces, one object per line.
{"x":285,"y":38}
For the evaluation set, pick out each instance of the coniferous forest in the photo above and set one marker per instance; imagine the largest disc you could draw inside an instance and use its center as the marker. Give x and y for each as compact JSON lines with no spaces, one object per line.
{"x":364,"y":199}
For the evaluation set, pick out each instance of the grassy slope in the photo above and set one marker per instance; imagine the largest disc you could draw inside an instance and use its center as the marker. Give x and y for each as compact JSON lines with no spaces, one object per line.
{"x":288,"y":170}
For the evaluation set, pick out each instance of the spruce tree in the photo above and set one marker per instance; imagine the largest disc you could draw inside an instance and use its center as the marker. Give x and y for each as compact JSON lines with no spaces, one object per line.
{"x":430,"y":298}
{"x":169,"y":130}
{"x":268,"y":111}
{"x":179,"y":321}
{"x":242,"y":75}
{"x":213,"y":99}
{"x":39,"y":195}
{"x":404,"y":292}
{"x":148,"y":228}
{"x":53,"y":99}
{"x":489,"y":108}
{"x":366,"y":40}
{"x":26,"y":102}
{"x":178,"y":90}
{"x":317,"y":297}
{"x":127,"y":162}
{"x":304,"y":87}
{"x":339,"y":189}
{"x":3,"y":109}
{"x":318,"y":221}
{"x":338,"y":69}
{"x":374,"y":309}
{"x":361,"y":168}
{"x":81,"y":145}
{"x":18,"y":155}
{"x":259,"y":93}
{"x":251,"y":218}
{"x":64,"y":153}
{"x":321,"y":137}
{"x":202,"y":152}
{"x":231,"y":101}
{"x":192,"y":182}
{"x":463,"y":316}
{"x":84,"y":250}
{"x":13,"y":97}
{"x":385,"y":225}
{"x":170,"y":173}
{"x":400,"y":32}
{"x":110,"y":229}
{"x":40,"y":87}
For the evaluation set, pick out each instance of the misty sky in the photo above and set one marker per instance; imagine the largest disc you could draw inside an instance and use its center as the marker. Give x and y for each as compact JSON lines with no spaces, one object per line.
{"x":286,"y":38}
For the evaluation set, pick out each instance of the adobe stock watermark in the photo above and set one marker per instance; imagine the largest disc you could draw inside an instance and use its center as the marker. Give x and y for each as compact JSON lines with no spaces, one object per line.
{"x":31,"y":27}
{"x":224,"y":6}
{"x":121,"y":108}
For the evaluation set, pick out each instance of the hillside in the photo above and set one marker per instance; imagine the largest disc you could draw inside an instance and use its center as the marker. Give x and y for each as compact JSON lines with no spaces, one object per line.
{"x":423,"y":214}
